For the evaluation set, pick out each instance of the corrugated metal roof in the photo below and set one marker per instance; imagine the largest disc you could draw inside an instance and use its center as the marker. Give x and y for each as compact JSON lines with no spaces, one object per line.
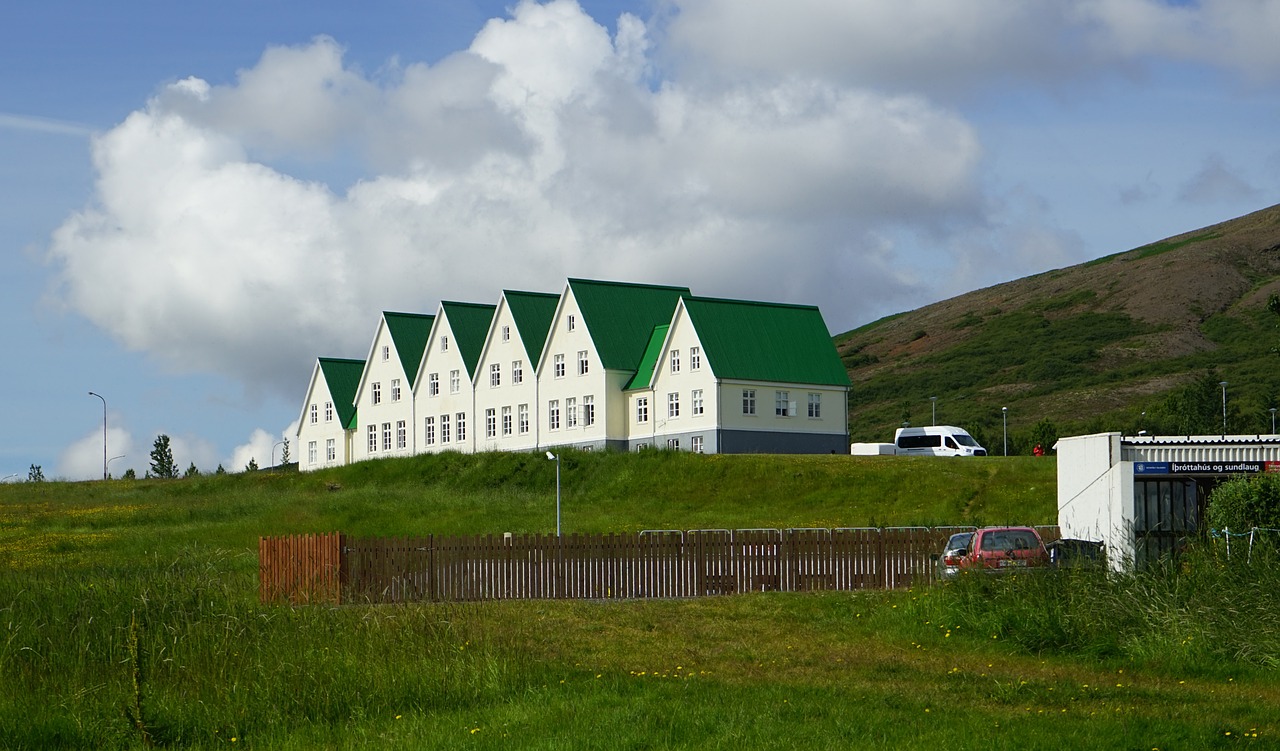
{"x":469,"y":322}
{"x":533,"y":313}
{"x":409,"y":331}
{"x":1200,"y":440}
{"x":621,"y":316}
{"x":343,"y":378}
{"x":759,"y":341}
{"x":648,"y":361}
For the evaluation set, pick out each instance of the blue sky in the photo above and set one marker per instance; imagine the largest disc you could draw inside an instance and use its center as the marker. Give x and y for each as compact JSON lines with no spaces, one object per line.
{"x":201,"y":198}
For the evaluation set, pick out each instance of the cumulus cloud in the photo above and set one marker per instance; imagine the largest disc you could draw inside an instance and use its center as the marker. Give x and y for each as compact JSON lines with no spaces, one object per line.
{"x":82,"y":460}
{"x":264,"y":448}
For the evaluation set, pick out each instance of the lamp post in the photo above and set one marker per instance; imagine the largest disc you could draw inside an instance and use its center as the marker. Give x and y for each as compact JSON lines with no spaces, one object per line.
{"x":1004,"y":413}
{"x":1273,"y":420}
{"x":556,"y":459}
{"x":273,"y":453}
{"x":7,"y":477}
{"x":1223,"y":384}
{"x":112,"y":459}
{"x":104,"y":432}
{"x":934,"y":404}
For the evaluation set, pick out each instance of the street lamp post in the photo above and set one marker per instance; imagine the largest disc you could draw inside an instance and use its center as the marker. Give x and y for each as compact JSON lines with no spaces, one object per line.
{"x":556,"y":459}
{"x":1223,"y":384}
{"x":273,"y":453}
{"x":112,"y":459}
{"x":1004,"y":413}
{"x":1273,"y":420}
{"x":104,"y":432}
{"x":934,"y":404}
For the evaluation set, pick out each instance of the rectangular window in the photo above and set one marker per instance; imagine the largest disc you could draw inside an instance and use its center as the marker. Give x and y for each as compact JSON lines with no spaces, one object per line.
{"x":395,"y":389}
{"x":311,"y":452}
{"x":328,"y":411}
{"x":748,"y":401}
{"x":433,"y":384}
{"x":444,"y":344}
{"x":558,"y":369}
{"x":583,"y":365}
{"x":490,"y":423}
{"x":444,"y":428}
{"x":815,"y":405}
{"x":696,"y":398}
{"x":330,"y":450}
{"x":506,"y":333}
{"x":553,"y":414}
{"x":386,"y":436}
{"x":588,"y":411}
{"x":373,"y":439}
{"x":315,"y":414}
{"x":571,"y":412}
{"x":460,"y":425}
{"x":642,"y":409}
{"x":695,"y":444}
{"x":673,"y":444}
{"x":377,"y":393}
{"x":571,"y":322}
{"x":517,"y":372}
{"x":522,"y":414}
{"x":386,"y":352}
{"x":429,"y":431}
{"x":506,"y":421}
{"x":695,"y":358}
{"x":782,"y":404}
{"x":455,"y":381}
{"x":675,"y":361}
{"x":673,"y":404}
{"x":402,"y":435}
{"x":495,"y":375}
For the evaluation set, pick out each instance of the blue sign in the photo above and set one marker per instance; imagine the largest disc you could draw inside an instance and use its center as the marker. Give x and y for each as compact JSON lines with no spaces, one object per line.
{"x":1151,"y":468}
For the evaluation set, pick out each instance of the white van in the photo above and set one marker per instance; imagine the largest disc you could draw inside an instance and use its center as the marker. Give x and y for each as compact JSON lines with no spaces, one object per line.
{"x":936,"y":440}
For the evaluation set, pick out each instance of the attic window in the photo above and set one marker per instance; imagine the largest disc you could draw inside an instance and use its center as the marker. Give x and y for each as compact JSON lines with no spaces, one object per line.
{"x":386,"y":352}
{"x":444,"y":344}
{"x":506,"y":333}
{"x":570,"y":321}
{"x":695,"y":358}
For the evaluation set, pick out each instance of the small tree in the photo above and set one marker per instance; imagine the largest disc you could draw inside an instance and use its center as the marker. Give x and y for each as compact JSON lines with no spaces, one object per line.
{"x":35,"y":474}
{"x":191,"y":471}
{"x":221,"y":470}
{"x":162,"y":458}
{"x":129,"y":474}
{"x":252,"y":466}
{"x":1242,"y":503}
{"x":284,"y":454}
{"x":1044,"y":434}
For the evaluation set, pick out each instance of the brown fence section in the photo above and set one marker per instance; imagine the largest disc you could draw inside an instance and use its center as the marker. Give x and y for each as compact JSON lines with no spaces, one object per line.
{"x":652,"y":564}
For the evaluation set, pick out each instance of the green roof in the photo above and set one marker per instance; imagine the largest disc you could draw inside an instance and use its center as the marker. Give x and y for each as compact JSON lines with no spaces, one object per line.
{"x":409,"y":331}
{"x":621,"y":317}
{"x":644,"y":372}
{"x":533,"y":313}
{"x":470,"y":325}
{"x":343,"y":378}
{"x":756,"y":341}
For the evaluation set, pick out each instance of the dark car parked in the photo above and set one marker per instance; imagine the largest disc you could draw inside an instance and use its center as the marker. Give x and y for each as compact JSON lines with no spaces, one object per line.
{"x":1071,"y":553}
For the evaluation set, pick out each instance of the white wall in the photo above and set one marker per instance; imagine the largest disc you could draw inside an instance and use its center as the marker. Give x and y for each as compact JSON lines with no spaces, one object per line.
{"x":508,"y":394}
{"x":596,"y":382}
{"x":442,"y":358}
{"x":385,"y":370}
{"x":322,"y":430}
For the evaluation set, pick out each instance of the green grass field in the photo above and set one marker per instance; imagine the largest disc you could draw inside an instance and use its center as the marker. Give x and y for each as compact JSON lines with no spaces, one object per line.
{"x":128,"y":618}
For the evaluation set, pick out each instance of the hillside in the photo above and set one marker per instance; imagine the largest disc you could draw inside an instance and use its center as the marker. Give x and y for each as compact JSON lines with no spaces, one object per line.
{"x":1131,"y":341}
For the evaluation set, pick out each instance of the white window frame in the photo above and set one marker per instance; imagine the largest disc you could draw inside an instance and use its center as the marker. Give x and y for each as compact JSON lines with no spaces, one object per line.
{"x":695,"y":358}
{"x":373,"y":438}
{"x":506,"y":333}
{"x":311,"y":452}
{"x":642,"y":409}
{"x":455,"y":381}
{"x":386,"y":436}
{"x":495,"y":375}
{"x":673,"y":405}
{"x":588,"y":410}
{"x":429,"y":431}
{"x":748,"y":401}
{"x":444,"y":344}
{"x":570,"y":413}
{"x":395,"y":389}
{"x":433,"y":384}
{"x":783,"y":406}
{"x":571,"y":322}
{"x":815,"y":405}
{"x":444,"y":428}
{"x":330,"y":450}
{"x":328,"y":411}
{"x":584,"y":365}
{"x":506,"y":421}
{"x":315,"y":414}
{"x":522,"y":418}
{"x":675,"y":361}
{"x":673,"y":444}
{"x":490,"y":423}
{"x":402,"y":435}
{"x":376,"y":396}
{"x":695,"y":399}
{"x":695,"y":444}
{"x":386,"y":352}
{"x":460,"y":427}
{"x":517,"y":372}
{"x":557,"y":366}
{"x":553,"y":414}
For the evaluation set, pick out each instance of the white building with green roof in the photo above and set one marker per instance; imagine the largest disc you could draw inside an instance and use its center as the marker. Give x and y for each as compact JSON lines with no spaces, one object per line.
{"x":384,"y":397}
{"x":506,"y":391}
{"x":737,"y":376}
{"x":444,"y":399}
{"x":327,"y":422}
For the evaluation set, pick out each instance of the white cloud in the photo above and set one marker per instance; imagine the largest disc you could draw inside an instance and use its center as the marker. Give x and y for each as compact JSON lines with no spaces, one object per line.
{"x":264,"y":448}
{"x":1214,"y":182}
{"x":82,"y":460}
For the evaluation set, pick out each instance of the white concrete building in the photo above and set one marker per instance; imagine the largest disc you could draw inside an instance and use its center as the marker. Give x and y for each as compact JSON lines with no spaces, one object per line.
{"x":1143,"y":496}
{"x":327,"y":422}
{"x":445,"y":397}
{"x":384,"y":398}
{"x":506,"y":393}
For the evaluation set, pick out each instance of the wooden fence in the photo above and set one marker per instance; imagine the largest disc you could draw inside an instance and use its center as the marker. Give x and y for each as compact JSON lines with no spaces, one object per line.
{"x":332,"y":568}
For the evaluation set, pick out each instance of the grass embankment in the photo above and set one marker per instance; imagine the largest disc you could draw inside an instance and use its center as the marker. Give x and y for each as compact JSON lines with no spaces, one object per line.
{"x":138,"y":625}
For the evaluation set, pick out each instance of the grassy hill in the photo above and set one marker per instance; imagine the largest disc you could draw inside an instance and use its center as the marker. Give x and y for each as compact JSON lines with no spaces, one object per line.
{"x":1135,"y":340}
{"x":129,"y":619}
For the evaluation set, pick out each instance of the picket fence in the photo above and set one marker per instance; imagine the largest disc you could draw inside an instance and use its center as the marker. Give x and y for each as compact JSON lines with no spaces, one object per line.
{"x":336,"y":569}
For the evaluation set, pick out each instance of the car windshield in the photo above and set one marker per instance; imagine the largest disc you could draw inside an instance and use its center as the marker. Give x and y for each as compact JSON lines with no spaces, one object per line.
{"x":965,"y":439}
{"x":1009,"y":539}
{"x":959,"y":541}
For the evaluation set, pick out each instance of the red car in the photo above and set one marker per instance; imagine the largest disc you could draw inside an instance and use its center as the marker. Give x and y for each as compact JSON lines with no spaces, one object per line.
{"x":997,"y":549}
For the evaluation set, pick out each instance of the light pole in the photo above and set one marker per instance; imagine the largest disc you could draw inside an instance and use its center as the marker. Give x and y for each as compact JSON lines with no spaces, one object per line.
{"x":273,"y":453}
{"x":556,"y":459}
{"x":112,"y":459}
{"x":1004,"y":413}
{"x":1223,"y":384}
{"x":104,"y":432}
{"x":1273,"y":420}
{"x":6,"y":477}
{"x":934,"y":403}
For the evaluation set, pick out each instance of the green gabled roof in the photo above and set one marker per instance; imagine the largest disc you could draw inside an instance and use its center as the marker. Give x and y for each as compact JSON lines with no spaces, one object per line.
{"x":409,"y":331}
{"x":343,"y":379}
{"x":533,"y":313}
{"x":620,"y":317}
{"x":470,"y":324}
{"x":756,"y":341}
{"x":653,"y":351}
